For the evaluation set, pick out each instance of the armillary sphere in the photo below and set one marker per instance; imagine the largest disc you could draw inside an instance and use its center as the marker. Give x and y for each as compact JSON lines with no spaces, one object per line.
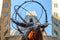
{"x":20,"y":11}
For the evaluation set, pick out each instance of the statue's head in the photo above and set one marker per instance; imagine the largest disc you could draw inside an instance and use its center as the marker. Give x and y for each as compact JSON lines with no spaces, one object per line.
{"x":30,"y":20}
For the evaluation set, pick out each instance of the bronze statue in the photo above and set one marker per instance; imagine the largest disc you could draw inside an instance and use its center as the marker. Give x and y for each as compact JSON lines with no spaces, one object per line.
{"x":32,"y":34}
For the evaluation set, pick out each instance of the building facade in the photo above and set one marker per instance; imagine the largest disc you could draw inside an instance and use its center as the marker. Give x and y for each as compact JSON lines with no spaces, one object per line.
{"x":56,"y":18}
{"x":5,"y":19}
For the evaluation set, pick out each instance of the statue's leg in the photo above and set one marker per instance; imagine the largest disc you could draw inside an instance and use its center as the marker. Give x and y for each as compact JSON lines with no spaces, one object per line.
{"x":38,"y":35}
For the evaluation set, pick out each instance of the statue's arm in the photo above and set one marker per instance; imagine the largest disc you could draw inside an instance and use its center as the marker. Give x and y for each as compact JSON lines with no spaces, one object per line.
{"x":22,"y":24}
{"x":44,"y":25}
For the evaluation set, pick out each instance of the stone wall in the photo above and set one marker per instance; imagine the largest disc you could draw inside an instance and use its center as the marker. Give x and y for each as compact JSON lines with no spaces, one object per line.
{"x":15,"y":38}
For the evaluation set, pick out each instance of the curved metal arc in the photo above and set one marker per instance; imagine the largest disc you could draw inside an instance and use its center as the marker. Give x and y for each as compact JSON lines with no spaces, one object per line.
{"x":20,"y":16}
{"x":34,"y":2}
{"x":29,"y":12}
{"x":17,"y":29}
{"x":41,"y":14}
{"x":25,"y":6}
{"x":17,"y":25}
{"x":15,"y":19}
{"x":13,"y":27}
{"x":21,"y":10}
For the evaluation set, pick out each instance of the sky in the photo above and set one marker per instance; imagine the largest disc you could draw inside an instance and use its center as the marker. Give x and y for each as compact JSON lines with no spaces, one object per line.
{"x":45,"y":3}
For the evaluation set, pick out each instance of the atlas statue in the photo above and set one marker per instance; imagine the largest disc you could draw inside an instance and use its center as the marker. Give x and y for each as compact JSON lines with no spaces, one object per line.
{"x":32,"y":34}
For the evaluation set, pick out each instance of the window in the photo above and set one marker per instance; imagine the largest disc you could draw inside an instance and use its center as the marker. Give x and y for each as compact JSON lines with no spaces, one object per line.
{"x":5,"y":32}
{"x":5,"y":5}
{"x":5,"y":14}
{"x":6,"y":22}
{"x":55,"y":32}
{"x":56,"y":14}
{"x":56,"y":22}
{"x":55,"y":5}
